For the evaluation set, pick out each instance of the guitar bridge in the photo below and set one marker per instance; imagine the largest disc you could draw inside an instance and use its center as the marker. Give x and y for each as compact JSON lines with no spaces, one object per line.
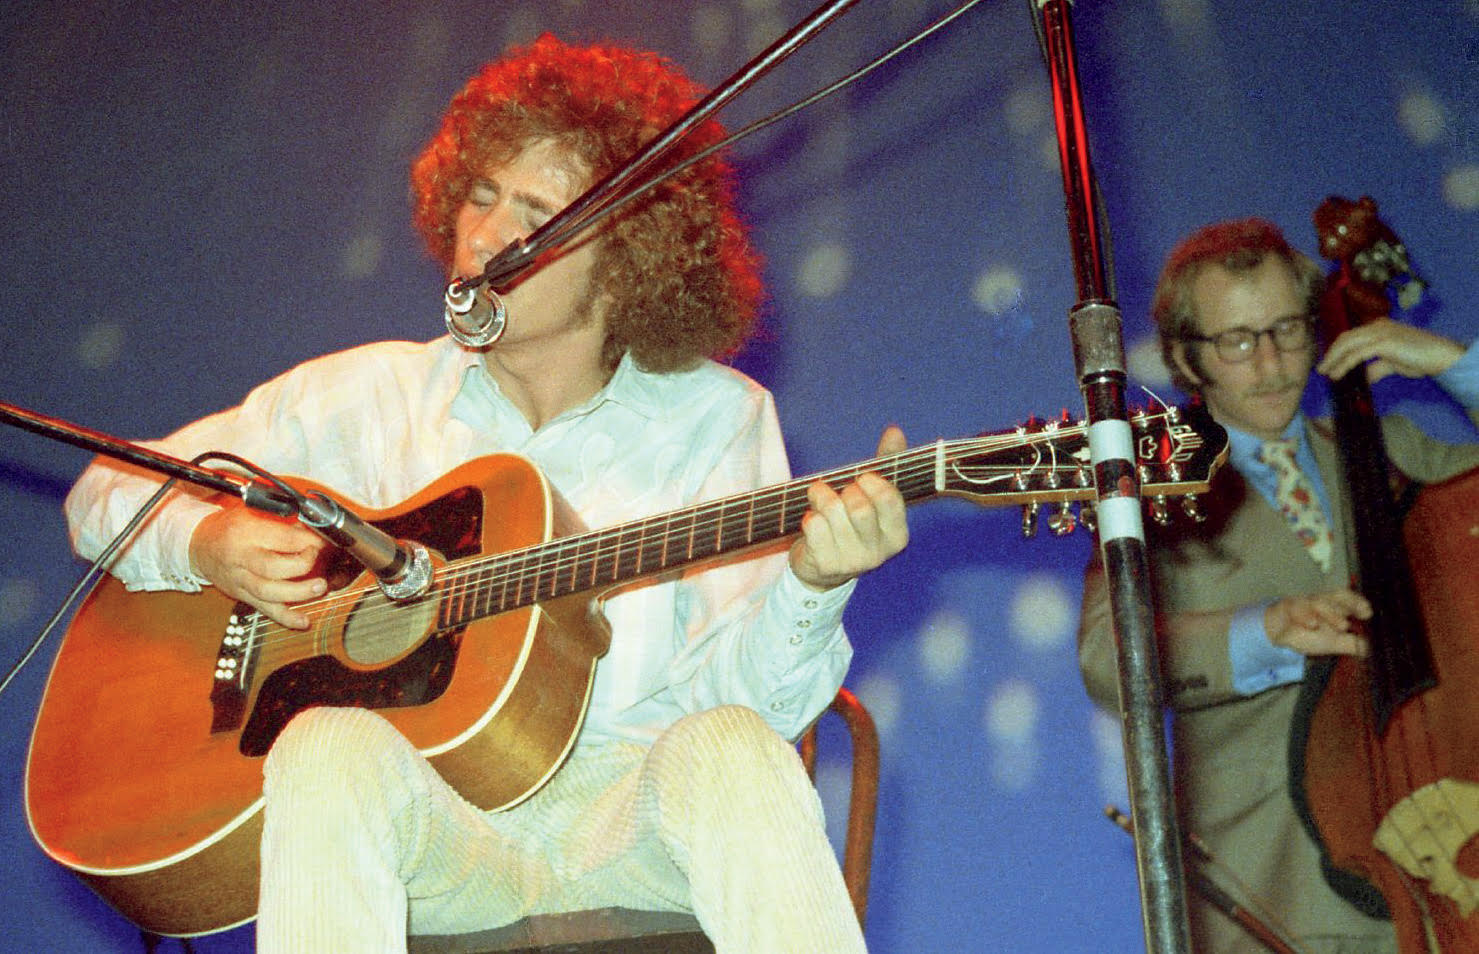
{"x":235,"y":663}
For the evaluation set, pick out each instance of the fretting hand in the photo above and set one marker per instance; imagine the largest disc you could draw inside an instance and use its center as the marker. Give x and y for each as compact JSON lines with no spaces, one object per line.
{"x":846,"y":534}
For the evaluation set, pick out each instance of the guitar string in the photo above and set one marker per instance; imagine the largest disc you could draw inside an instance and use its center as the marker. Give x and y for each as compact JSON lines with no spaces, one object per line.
{"x":550,"y":560}
{"x":462,"y":583}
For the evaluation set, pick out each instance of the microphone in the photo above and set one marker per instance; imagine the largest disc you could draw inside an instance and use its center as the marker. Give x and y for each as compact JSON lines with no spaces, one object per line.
{"x":402,"y":569}
{"x":475,"y":317}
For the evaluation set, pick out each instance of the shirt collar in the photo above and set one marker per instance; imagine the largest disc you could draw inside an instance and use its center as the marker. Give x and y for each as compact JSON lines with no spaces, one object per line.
{"x":629,"y":386}
{"x":1243,"y":448}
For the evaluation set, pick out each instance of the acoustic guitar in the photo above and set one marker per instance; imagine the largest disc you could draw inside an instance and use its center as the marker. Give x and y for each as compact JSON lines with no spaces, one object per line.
{"x":145,"y":777}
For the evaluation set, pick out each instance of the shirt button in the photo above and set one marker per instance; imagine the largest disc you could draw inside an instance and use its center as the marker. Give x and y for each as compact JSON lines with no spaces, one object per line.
{"x":810,"y":604}
{"x":777,"y":706}
{"x":796,"y":640}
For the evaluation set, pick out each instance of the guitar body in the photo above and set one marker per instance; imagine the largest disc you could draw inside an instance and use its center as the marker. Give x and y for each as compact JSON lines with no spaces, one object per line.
{"x":145,"y":771}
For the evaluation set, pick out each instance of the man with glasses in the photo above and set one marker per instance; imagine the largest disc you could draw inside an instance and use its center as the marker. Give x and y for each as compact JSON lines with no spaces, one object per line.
{"x":1243,"y":598}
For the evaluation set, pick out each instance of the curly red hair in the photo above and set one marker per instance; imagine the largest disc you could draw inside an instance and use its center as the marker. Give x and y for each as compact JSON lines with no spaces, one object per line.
{"x":682,"y":277}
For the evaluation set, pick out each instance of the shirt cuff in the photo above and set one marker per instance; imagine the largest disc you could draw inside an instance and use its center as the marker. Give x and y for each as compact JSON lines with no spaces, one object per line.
{"x":1258,"y":664}
{"x":809,"y":618}
{"x":1461,"y":380}
{"x":173,"y":526}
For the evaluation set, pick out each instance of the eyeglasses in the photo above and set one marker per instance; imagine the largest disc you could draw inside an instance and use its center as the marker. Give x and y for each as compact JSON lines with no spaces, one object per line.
{"x":1238,"y":344}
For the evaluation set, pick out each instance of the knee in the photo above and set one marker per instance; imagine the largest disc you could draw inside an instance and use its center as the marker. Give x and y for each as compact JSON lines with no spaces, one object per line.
{"x":730,"y":745}
{"x":334,"y":746}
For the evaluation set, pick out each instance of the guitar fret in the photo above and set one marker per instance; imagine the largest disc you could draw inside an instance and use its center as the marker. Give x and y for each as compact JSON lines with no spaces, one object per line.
{"x":464,"y":604}
{"x":575,"y":566}
{"x":667,"y":526}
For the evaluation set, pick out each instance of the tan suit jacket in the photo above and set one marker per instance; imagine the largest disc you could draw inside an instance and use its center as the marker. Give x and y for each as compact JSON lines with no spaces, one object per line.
{"x":1230,"y":752}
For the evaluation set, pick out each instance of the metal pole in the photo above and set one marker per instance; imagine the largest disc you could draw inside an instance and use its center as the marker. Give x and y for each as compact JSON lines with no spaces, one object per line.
{"x":1095,"y":326}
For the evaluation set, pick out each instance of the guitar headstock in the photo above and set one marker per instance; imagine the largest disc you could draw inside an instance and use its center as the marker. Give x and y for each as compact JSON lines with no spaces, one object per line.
{"x":1177,"y":451}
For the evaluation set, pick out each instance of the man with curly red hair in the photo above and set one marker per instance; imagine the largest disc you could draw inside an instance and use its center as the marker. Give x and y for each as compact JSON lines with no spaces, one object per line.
{"x":682,"y":791}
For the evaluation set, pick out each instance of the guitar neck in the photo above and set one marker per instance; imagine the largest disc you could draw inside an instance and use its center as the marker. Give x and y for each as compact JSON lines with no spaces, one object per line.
{"x":662,"y":543}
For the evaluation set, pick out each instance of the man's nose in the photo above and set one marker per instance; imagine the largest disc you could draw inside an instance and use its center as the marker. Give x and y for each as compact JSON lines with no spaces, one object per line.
{"x":1265,"y":353}
{"x":494,"y":230}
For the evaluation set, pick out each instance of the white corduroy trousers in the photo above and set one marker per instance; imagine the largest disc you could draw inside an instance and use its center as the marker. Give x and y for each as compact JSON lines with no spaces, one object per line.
{"x":363,"y":842}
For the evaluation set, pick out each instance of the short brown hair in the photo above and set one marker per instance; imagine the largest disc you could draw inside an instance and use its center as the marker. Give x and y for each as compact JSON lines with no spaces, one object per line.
{"x":1238,"y":245}
{"x":682,"y":277}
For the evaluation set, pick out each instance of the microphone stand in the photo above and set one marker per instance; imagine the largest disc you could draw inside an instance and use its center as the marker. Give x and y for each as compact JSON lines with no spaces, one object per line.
{"x":255,"y":493}
{"x":403,"y":571}
{"x":1098,"y":348}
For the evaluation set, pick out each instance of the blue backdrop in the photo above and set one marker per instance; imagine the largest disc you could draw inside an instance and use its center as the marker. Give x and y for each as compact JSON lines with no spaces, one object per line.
{"x":198,"y":196}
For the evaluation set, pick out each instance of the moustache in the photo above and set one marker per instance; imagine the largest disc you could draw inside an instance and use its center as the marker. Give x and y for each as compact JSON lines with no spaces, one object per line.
{"x":1275,"y":388}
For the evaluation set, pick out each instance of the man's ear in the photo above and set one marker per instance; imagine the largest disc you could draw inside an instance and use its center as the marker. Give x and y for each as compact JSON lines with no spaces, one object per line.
{"x":1183,"y":364}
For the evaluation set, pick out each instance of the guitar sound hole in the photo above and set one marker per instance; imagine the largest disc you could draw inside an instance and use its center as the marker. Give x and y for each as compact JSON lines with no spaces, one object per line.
{"x":380,"y":629}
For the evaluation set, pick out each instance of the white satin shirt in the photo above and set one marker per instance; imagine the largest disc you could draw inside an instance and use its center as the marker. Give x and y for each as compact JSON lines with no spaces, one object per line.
{"x":379,"y":422}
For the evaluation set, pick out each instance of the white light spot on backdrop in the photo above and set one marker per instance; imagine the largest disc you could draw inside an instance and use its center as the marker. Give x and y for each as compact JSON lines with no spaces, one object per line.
{"x":880,"y":695}
{"x":1027,"y":110}
{"x":834,"y":784}
{"x":362,"y":255}
{"x":1109,"y":758}
{"x":1011,"y":717}
{"x":1461,"y":186}
{"x":1042,"y":615}
{"x":713,"y":26}
{"x":824,"y":270}
{"x":998,"y":290}
{"x":1188,"y":19}
{"x":18,"y":599}
{"x":944,"y":644}
{"x":1145,"y":364}
{"x":832,"y":144}
{"x":100,"y":345}
{"x":1048,"y":152}
{"x":764,"y":23}
{"x":1422,"y":117}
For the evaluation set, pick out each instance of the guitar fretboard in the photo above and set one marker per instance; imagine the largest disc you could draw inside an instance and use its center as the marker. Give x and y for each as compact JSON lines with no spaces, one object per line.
{"x":655,"y":545}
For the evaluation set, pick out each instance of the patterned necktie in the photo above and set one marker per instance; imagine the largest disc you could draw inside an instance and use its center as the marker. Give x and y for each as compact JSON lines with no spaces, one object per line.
{"x":1296,"y":500}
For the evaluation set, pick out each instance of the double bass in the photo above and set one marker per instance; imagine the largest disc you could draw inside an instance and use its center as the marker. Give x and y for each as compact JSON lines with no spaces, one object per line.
{"x":1385,"y":750}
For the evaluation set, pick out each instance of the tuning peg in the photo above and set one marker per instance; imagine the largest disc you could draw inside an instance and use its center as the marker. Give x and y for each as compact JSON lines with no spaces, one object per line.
{"x":1158,"y":511}
{"x":1063,"y":520}
{"x":1192,"y":507}
{"x":1088,"y":516}
{"x":1029,"y":520}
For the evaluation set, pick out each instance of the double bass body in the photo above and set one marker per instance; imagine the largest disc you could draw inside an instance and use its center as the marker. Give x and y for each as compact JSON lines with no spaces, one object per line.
{"x":1385,"y":750}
